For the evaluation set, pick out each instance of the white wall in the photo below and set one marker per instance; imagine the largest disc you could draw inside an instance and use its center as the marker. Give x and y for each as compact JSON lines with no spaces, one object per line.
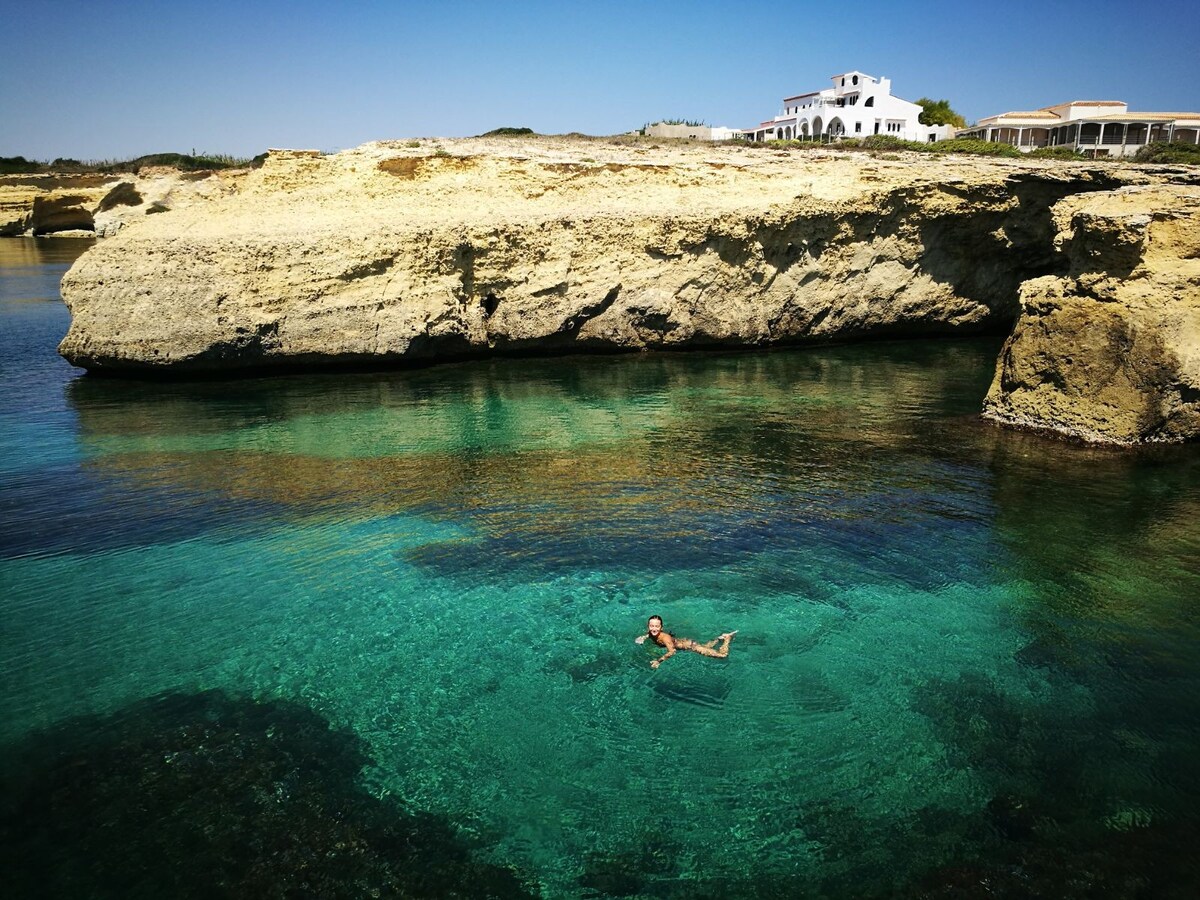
{"x":858,"y":119}
{"x":702,"y":132}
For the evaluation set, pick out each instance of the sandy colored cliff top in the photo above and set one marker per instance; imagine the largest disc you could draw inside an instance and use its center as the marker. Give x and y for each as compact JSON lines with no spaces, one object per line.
{"x":432,"y":182}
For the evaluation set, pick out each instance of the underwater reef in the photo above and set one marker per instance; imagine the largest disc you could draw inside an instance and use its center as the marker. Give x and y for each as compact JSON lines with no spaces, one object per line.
{"x":213,"y":795}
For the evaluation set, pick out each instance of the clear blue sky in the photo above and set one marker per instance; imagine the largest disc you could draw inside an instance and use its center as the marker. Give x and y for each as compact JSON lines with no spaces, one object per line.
{"x":105,"y":79}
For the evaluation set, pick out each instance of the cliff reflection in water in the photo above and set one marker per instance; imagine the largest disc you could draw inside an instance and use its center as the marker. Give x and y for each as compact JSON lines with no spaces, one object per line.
{"x":699,"y":458}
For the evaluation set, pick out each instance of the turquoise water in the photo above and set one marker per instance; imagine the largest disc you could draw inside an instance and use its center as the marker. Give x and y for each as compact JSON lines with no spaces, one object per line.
{"x":962,"y":654}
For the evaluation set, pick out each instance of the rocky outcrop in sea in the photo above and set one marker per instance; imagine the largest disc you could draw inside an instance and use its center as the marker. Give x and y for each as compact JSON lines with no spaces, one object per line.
{"x":400,"y":252}
{"x":1110,"y":352}
{"x":100,"y":205}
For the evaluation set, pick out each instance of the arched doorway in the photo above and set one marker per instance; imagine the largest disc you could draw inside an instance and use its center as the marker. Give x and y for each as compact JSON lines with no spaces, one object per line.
{"x":817,"y":127}
{"x":836,"y":128}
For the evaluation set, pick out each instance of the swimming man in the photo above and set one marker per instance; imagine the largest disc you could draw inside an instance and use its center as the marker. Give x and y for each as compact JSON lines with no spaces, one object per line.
{"x":654,"y":631}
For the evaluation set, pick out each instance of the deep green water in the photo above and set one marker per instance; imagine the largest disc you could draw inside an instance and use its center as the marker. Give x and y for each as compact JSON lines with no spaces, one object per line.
{"x":962,"y":653}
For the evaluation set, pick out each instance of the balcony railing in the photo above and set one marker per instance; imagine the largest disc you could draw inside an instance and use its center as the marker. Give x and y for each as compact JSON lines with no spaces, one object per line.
{"x":1111,"y":140}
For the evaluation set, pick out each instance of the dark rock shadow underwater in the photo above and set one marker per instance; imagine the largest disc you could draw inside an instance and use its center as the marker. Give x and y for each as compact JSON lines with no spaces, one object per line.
{"x":212,"y":795}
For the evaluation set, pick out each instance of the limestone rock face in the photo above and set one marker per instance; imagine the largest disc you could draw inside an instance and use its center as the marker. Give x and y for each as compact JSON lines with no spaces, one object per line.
{"x":44,"y":204}
{"x":101,"y":204}
{"x":421,"y":250}
{"x":1110,"y":352}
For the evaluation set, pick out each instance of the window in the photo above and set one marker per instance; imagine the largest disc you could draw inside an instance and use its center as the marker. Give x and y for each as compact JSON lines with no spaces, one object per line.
{"x":855,"y":80}
{"x":858,"y":127}
{"x":870,"y":101}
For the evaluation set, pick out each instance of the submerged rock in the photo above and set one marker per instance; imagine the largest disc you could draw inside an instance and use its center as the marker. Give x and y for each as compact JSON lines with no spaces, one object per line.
{"x":398,"y":252}
{"x":211,"y":795}
{"x":1110,"y":352}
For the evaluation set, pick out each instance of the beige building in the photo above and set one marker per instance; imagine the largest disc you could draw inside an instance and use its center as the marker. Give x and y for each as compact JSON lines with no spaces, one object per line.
{"x":700,"y":132}
{"x":1097,"y":127}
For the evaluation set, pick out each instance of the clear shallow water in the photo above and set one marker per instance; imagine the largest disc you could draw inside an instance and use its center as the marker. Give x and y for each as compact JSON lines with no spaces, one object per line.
{"x":961,"y":652}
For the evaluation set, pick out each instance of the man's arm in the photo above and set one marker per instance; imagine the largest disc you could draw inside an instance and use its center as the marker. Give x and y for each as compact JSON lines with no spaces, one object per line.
{"x":669,"y":643}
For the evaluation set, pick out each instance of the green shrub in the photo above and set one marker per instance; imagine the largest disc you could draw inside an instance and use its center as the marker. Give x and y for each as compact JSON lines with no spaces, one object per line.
{"x":18,"y":165}
{"x":1056,"y":153}
{"x":891,"y":142}
{"x":938,"y":112}
{"x":690,"y":123}
{"x":795,"y":142}
{"x":974,"y":146}
{"x":1162,"y":152}
{"x":508,"y":132}
{"x":182,"y":161}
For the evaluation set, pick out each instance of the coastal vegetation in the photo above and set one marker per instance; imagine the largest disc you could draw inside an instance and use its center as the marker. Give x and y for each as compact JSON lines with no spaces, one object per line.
{"x":938,"y":112}
{"x":185,"y":162}
{"x":509,"y":131}
{"x":1162,"y":152}
{"x":890,"y":144}
{"x":687,"y":123}
{"x":885,"y":142}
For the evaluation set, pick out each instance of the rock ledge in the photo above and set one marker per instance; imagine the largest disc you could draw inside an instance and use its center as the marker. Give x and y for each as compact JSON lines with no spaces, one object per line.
{"x":1110,"y":352}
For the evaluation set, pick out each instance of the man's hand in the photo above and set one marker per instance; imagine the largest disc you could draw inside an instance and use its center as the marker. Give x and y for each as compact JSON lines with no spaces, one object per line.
{"x":640,"y":639}
{"x":654,"y":663}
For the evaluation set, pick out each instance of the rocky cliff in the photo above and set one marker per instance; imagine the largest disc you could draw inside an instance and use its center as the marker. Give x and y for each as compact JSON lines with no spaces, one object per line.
{"x":392,"y":252}
{"x":101,"y":204}
{"x":1110,"y":351}
{"x":426,"y":250}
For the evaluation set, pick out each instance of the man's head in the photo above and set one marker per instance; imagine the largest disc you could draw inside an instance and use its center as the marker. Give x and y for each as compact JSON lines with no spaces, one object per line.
{"x":654,"y":625}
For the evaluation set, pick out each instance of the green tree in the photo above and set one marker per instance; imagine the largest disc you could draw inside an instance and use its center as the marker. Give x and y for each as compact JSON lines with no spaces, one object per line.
{"x":938,"y":112}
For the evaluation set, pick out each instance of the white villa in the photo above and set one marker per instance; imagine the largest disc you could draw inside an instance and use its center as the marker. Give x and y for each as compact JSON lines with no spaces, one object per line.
{"x":856,"y":106}
{"x":1098,"y":127}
